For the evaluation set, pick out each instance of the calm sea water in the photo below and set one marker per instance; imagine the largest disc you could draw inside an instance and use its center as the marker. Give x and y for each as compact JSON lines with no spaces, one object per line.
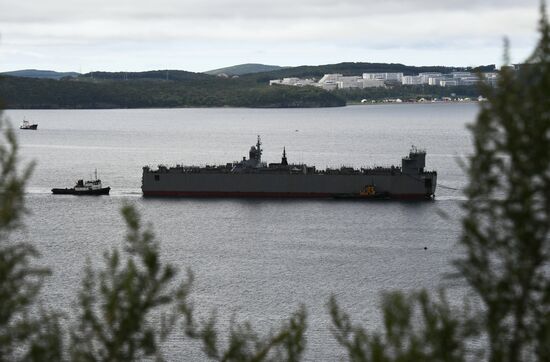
{"x":254,"y":260}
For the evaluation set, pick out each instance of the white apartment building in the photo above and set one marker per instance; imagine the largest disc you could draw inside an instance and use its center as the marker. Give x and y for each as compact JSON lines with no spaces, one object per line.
{"x":435,"y":80}
{"x":426,"y":76}
{"x":330,"y":78}
{"x":448,"y":82}
{"x":397,"y":77}
{"x":491,"y":78}
{"x":329,"y":81}
{"x":411,"y":80}
{"x":461,"y":74}
{"x":349,"y":82}
{"x":333,"y":81}
{"x":368,"y":80}
{"x":298,"y":82}
{"x":472,"y":80}
{"x":372,"y":83}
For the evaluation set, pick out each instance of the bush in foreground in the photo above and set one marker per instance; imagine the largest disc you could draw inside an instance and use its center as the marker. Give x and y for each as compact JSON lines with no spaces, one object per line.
{"x":506,"y":259}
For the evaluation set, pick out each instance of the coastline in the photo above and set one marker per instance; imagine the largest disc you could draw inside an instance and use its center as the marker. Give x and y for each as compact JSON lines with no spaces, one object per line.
{"x":410,"y":102}
{"x":349,"y":104}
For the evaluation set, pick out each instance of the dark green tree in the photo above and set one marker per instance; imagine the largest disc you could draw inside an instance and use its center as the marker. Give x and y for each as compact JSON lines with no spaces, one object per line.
{"x":120,"y":313}
{"x":506,"y":239}
{"x":245,"y":345}
{"x":117,"y":304}
{"x":415,"y":328}
{"x":506,"y":236}
{"x":27,"y":331}
{"x":506,"y":229}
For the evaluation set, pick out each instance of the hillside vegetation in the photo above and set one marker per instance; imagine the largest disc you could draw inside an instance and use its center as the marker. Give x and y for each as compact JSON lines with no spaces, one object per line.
{"x":244,"y":69}
{"x":35,"y":73}
{"x":175,"y":88}
{"x":136,"y":90}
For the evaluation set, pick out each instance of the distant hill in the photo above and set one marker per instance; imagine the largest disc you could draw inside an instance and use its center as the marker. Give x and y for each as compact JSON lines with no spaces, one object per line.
{"x":177,"y":88}
{"x":158,"y":89}
{"x":242,"y":69}
{"x":161,"y":75}
{"x":35,"y":73}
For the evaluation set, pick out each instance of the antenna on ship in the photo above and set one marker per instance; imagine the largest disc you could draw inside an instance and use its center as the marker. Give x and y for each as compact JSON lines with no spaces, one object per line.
{"x":259,"y":148}
{"x":284,"y":160}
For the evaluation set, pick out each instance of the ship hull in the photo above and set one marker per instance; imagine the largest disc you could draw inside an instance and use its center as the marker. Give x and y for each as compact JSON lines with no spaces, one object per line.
{"x":254,"y":185}
{"x":282,"y":195}
{"x":97,"y":192}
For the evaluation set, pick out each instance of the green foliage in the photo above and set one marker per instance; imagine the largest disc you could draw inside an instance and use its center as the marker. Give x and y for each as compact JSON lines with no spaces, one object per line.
{"x":415,"y":329}
{"x":117,"y":304}
{"x":506,"y":231}
{"x":286,"y":344}
{"x":34,"y":73}
{"x":243,"y":69}
{"x":11,"y":182}
{"x":151,"y":89}
{"x":120,"y":319}
{"x":506,"y":237}
{"x":23,"y":335}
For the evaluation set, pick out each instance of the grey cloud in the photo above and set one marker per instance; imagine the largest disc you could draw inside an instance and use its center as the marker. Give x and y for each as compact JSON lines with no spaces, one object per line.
{"x":326,"y":30}
{"x":81,"y":10}
{"x":395,"y":29}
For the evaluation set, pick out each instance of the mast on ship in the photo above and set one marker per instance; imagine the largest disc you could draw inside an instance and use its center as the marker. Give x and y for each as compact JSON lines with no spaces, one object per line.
{"x":259,"y":149}
{"x":255,"y":154}
{"x":284,"y":161}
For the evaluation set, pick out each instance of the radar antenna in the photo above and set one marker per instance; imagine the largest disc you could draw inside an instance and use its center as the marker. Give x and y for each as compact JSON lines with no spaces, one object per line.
{"x":259,"y":148}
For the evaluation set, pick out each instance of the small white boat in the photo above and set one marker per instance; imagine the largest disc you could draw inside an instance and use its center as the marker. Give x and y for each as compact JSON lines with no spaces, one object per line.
{"x":28,"y":125}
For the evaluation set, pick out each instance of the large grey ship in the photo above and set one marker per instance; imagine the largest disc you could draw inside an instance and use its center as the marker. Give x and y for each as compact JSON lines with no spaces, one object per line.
{"x":253,"y":178}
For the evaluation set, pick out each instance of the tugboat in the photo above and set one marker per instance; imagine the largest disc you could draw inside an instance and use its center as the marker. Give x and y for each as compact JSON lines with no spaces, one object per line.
{"x":26,"y":125}
{"x":92,"y":187}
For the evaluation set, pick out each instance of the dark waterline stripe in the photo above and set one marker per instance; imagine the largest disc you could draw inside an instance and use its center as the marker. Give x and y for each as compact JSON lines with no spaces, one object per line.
{"x":315,"y":195}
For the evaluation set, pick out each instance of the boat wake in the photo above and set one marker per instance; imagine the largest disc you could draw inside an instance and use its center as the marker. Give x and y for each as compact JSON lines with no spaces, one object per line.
{"x":451,"y":198}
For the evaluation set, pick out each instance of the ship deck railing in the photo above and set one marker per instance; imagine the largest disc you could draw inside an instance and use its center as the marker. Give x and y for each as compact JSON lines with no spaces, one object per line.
{"x":290,"y":169}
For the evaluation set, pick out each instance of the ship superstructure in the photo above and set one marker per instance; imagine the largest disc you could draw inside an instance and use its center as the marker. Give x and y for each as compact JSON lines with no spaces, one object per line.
{"x":251,"y":177}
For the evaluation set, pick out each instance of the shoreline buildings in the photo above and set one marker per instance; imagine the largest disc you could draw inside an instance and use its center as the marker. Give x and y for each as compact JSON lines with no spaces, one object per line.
{"x":369,"y":80}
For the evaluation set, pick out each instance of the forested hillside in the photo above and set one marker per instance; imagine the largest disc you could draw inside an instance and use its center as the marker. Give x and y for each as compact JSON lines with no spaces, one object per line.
{"x":178,"y":89}
{"x":35,"y":73}
{"x":242,"y":69}
{"x":175,"y":88}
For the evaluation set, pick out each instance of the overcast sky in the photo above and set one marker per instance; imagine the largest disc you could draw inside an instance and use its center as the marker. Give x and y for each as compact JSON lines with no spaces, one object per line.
{"x":199,"y":35}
